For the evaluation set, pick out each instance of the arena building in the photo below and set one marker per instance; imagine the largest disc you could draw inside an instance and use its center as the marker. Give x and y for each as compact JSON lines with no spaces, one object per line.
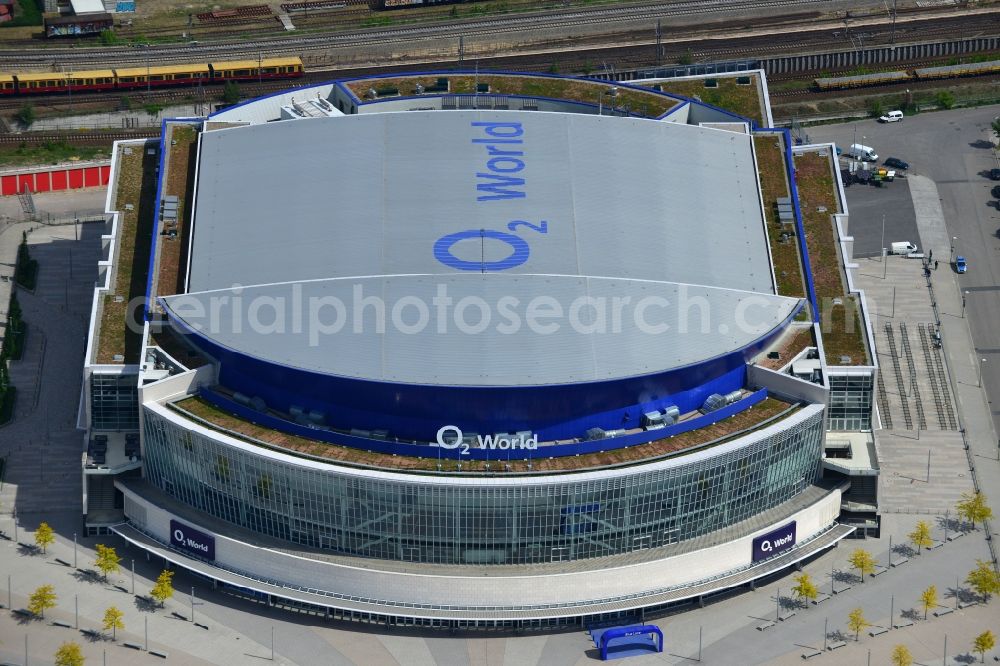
{"x":474,"y":350}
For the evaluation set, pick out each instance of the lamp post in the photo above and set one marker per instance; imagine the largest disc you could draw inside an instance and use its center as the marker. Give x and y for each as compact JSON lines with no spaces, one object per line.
{"x":951,"y":259}
{"x":964,"y":295}
{"x":148,"y":82}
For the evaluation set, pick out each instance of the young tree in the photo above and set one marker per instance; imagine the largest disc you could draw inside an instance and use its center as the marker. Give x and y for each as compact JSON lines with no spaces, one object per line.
{"x":921,"y":536}
{"x":863,"y":561}
{"x":44,"y":536}
{"x":107,"y":560}
{"x":973,"y":507}
{"x":984,"y":580}
{"x":805,"y":588}
{"x":164,"y":588}
{"x":26,"y":114}
{"x":857,"y":622}
{"x":231,"y":92}
{"x":113,"y":621}
{"x":983,"y":643}
{"x":69,"y":654}
{"x":901,"y":656}
{"x":929,"y":599}
{"x":42,"y":598}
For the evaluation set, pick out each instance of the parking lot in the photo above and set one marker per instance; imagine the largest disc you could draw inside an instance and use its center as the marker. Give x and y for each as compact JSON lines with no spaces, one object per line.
{"x":870,"y":206}
{"x":952,"y":148}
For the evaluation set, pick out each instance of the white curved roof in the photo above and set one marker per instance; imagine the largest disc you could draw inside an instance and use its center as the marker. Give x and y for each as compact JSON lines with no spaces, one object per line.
{"x":370,"y":194}
{"x":643,"y":242}
{"x":483,"y":329}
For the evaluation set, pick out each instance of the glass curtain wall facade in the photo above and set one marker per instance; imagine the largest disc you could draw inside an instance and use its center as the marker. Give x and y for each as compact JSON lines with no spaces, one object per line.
{"x":114,"y":402}
{"x":851,"y":402}
{"x":433,"y":521}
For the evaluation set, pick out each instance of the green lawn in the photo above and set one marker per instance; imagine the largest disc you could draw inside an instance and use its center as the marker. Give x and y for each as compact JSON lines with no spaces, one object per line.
{"x":15,"y":346}
{"x":50,"y":152}
{"x":7,"y":404}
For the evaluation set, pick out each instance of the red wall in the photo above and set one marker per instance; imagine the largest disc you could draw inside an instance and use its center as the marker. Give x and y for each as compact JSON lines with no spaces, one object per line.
{"x":63,"y":178}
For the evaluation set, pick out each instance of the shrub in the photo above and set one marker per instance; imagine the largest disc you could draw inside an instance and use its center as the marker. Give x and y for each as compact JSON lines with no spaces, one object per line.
{"x":945,"y":99}
{"x":26,"y":115}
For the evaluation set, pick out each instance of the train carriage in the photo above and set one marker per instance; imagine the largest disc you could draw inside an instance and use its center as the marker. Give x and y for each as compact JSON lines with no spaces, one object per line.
{"x":78,"y":26}
{"x":62,"y":82}
{"x":252,"y":70}
{"x":861,"y":80}
{"x":162,"y":75}
{"x":952,"y":71}
{"x":126,"y":78}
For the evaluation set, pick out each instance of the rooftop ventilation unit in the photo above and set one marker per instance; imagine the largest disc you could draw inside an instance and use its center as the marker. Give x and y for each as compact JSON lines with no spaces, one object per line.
{"x":733,"y":396}
{"x":652,"y":421}
{"x":713,"y":402}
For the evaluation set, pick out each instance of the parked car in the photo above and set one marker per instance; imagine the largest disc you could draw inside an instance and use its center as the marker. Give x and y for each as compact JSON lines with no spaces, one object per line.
{"x":897,"y":163}
{"x":891,"y":117}
{"x":863,"y":153}
{"x":995,"y":174}
{"x":960,"y":264}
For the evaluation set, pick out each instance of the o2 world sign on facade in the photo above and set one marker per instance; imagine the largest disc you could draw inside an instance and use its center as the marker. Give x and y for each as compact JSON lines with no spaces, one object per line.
{"x":193,"y":541}
{"x":452,"y":437}
{"x":774,"y":542}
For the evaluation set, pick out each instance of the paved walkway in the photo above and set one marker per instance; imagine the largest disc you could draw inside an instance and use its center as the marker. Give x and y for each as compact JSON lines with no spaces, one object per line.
{"x":963,"y":364}
{"x":42,"y":444}
{"x":901,"y":300}
{"x":239,"y":630}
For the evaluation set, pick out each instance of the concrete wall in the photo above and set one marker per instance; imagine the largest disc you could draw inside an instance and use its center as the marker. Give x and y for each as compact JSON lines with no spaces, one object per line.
{"x":268,"y":108}
{"x":786,"y":385}
{"x":178,"y":385}
{"x":878,"y":55}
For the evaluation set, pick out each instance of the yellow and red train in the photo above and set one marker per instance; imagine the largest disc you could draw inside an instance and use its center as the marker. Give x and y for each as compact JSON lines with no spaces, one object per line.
{"x":157,"y":76}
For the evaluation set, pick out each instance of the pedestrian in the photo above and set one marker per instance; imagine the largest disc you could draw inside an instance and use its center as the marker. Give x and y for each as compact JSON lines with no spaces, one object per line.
{"x":935,"y":264}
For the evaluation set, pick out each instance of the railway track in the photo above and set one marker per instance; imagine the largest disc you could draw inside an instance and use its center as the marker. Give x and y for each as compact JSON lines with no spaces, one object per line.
{"x":915,"y":84}
{"x":158,"y":96}
{"x":577,"y":60}
{"x":381,"y":36}
{"x":77,"y":138}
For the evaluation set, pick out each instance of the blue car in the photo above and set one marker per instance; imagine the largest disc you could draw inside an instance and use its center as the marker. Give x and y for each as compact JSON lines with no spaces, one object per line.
{"x":960,"y":265}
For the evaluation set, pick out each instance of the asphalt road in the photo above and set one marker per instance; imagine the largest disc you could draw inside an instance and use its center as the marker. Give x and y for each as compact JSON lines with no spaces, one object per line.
{"x":870,"y":206}
{"x":953,"y":149}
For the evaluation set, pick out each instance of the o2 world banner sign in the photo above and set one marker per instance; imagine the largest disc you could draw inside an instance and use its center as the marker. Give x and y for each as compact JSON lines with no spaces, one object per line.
{"x":774,"y":542}
{"x":193,"y":541}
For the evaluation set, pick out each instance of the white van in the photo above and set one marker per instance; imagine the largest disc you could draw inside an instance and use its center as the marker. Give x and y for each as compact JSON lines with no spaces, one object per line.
{"x":891,"y":117}
{"x":864,"y":153}
{"x":903,"y":247}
